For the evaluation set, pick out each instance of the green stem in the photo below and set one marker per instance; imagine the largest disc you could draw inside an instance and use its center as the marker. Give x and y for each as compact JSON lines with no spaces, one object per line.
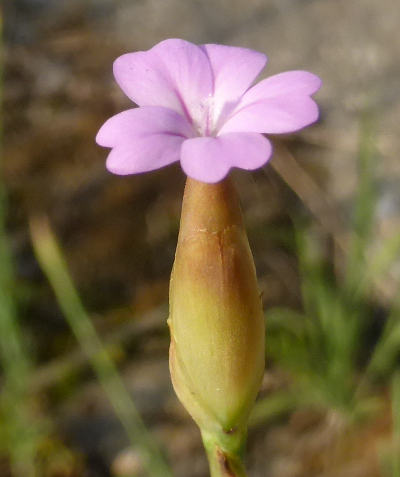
{"x":224,"y":453}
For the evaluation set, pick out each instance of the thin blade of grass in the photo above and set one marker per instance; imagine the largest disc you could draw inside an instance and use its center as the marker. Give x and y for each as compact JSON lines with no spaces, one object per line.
{"x":387,"y":350}
{"x":52,"y":262}
{"x":396,"y":423}
{"x":364,"y":209}
{"x":19,"y":433}
{"x":379,"y":264}
{"x":273,"y":407}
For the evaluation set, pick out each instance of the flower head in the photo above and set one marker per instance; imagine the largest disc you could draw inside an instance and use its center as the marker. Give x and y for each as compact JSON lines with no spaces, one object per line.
{"x":197,"y":105}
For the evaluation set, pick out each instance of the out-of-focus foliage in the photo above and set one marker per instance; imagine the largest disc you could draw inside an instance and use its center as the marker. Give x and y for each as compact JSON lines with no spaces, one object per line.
{"x":323,"y":346}
{"x":52,"y":262}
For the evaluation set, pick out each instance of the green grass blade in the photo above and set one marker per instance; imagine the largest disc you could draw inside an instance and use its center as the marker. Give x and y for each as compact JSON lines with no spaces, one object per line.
{"x":52,"y":262}
{"x":364,"y":209}
{"x":19,"y":432}
{"x":19,"y":435}
{"x":396,"y":423}
{"x":272,"y":407}
{"x":387,"y":349}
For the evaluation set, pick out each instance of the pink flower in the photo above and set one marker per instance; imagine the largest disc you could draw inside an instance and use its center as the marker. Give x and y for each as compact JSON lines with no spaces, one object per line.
{"x":197,"y":106}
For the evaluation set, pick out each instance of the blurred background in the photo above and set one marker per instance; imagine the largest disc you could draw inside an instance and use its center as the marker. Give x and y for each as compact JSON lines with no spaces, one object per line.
{"x":85,"y":256}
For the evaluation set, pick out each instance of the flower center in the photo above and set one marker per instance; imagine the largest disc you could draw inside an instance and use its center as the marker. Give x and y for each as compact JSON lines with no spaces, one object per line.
{"x":203,"y":120}
{"x":209,"y":115}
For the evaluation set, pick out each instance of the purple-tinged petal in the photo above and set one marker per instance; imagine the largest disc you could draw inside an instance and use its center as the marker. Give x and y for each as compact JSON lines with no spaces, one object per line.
{"x":234,"y":70}
{"x":143,"y":139}
{"x":209,"y":159}
{"x":282,"y":114}
{"x":144,"y":153}
{"x":289,"y":83}
{"x":122,"y":127}
{"x":279,"y":104}
{"x":174,"y":73}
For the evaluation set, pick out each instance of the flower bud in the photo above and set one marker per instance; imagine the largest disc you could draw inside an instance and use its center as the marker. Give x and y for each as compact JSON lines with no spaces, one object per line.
{"x":216,"y":319}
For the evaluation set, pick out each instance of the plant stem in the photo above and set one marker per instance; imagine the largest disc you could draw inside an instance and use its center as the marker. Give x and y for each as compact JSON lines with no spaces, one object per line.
{"x":224,"y":454}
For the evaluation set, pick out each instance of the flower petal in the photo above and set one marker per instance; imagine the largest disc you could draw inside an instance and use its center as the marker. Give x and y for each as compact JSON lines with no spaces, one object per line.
{"x":208,"y":159}
{"x":289,"y":83}
{"x":122,"y":127}
{"x":234,"y":70}
{"x":144,"y":153}
{"x":279,"y":104}
{"x":174,"y":73}
{"x":275,"y":116}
